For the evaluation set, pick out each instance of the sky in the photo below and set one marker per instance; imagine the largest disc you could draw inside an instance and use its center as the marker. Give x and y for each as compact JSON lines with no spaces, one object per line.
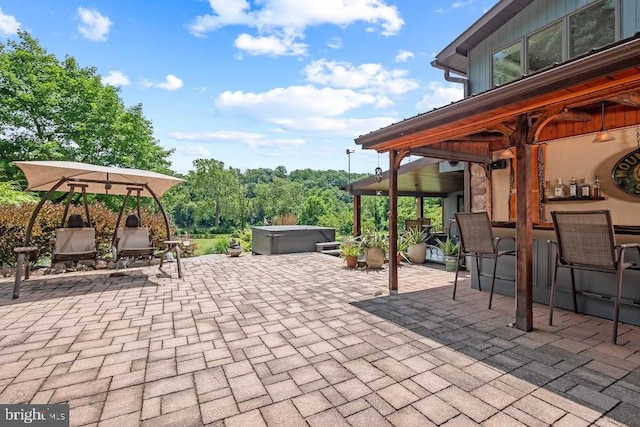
{"x":260,"y":83}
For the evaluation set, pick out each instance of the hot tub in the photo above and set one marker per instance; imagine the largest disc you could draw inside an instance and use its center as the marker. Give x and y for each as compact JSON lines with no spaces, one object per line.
{"x":286,"y":239}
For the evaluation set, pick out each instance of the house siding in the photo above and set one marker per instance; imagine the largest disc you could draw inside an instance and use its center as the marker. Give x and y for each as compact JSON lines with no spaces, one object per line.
{"x":532,"y":18}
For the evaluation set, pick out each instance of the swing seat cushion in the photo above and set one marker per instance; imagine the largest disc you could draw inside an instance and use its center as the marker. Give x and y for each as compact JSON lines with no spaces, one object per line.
{"x":72,"y":244}
{"x":133,"y":242}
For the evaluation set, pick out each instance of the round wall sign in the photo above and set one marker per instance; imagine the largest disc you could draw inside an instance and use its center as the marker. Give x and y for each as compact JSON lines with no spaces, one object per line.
{"x":626,"y":173}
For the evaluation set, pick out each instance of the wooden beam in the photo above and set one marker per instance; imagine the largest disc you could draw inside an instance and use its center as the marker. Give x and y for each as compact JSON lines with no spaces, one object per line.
{"x":393,"y":220}
{"x":357,"y":215}
{"x":428,"y":151}
{"x":524,"y":225}
{"x":630,"y":98}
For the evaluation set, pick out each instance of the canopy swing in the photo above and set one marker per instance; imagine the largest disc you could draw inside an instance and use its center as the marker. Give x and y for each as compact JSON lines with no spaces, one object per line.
{"x":50,"y":176}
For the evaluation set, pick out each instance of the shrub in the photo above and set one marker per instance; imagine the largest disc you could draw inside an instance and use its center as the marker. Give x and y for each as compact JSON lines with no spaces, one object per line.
{"x":14,"y":221}
{"x":286,"y":219}
{"x":220,"y":246}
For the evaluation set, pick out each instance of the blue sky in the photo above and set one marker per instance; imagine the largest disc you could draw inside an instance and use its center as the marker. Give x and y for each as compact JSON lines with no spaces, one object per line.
{"x":259,"y":83}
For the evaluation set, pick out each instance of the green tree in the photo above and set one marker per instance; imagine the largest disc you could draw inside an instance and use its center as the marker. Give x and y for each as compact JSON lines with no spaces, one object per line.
{"x":56,"y":110}
{"x":214,"y":188}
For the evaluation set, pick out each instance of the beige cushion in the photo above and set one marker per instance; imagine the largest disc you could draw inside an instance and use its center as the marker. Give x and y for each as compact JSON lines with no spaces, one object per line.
{"x":75,"y":240}
{"x":133,"y":238}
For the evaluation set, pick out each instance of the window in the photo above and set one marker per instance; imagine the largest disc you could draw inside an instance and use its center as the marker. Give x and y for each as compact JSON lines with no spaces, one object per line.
{"x":592,"y":27}
{"x":544,"y":48}
{"x":505,"y":64}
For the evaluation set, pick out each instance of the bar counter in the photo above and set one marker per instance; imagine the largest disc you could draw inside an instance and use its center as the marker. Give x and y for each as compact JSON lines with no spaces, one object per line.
{"x":595,"y":289}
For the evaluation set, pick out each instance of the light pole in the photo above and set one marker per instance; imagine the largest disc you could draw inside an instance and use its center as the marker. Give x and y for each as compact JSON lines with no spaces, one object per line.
{"x":349,"y":152}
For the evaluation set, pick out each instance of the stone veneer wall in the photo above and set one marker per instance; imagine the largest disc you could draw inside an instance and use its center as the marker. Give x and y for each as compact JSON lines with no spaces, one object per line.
{"x":479,"y":188}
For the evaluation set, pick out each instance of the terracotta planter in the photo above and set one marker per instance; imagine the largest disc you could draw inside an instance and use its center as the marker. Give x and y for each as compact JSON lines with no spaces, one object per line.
{"x":351,"y":261}
{"x":374,"y":257}
{"x":417,"y":253}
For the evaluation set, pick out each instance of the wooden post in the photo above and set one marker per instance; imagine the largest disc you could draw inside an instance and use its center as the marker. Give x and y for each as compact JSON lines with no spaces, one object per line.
{"x":357,"y":215}
{"x":524,"y":225}
{"x":419,"y":206}
{"x":393,"y":220}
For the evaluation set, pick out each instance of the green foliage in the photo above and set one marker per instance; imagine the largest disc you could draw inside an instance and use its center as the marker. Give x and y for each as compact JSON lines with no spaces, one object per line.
{"x":349,"y":247}
{"x":11,"y":195}
{"x":220,"y":246}
{"x":447,"y":247}
{"x":54,"y":109}
{"x":414,"y":236}
{"x":372,"y":238}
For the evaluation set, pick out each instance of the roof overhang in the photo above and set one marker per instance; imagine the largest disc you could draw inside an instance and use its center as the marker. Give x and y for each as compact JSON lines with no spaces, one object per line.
{"x":474,"y":126}
{"x":421,"y":177}
{"x":45,"y":175}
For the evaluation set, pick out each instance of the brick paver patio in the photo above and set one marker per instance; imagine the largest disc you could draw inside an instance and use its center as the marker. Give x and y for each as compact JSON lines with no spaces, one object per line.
{"x":301,"y":340}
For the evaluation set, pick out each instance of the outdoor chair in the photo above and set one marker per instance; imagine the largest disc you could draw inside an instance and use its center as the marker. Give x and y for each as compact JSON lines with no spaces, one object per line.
{"x":585,"y":240}
{"x":413,"y":224}
{"x":477,"y":240}
{"x":75,"y":242}
{"x":133,"y":241}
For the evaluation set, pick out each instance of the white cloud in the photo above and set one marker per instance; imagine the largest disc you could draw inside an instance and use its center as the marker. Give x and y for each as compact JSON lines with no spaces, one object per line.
{"x":455,"y":5}
{"x":292,"y":17}
{"x":345,"y":127}
{"x":270,"y":45}
{"x":298,"y":101}
{"x":116,"y":78}
{"x":94,"y":25}
{"x":8,"y":24}
{"x":372,"y":78}
{"x":198,"y":151}
{"x":404,"y":56}
{"x":249,"y":139}
{"x":171,"y":83}
{"x":459,"y":4}
{"x":439,"y":95}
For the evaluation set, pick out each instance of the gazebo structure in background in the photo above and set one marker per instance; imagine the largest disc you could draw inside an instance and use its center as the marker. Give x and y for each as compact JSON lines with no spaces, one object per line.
{"x":51,"y":176}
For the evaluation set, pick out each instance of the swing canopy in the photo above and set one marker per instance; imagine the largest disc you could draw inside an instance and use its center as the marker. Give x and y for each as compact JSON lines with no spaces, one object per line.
{"x":45,"y":175}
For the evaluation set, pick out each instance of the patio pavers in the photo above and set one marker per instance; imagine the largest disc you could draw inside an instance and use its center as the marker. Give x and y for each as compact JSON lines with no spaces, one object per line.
{"x":300,"y":340}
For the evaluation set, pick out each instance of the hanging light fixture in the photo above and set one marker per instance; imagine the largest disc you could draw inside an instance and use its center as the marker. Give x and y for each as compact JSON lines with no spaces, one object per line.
{"x":378,"y":171}
{"x":602,"y":135}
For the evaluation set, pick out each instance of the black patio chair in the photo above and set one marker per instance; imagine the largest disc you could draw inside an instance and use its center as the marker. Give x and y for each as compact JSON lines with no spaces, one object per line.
{"x":585,"y":240}
{"x":477,"y":240}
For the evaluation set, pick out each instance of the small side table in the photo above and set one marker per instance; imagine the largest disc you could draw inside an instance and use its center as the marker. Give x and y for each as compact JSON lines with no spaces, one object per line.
{"x":22,"y":252}
{"x":173,"y":246}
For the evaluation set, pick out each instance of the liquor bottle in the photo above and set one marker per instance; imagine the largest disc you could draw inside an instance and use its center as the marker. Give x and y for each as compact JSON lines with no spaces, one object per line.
{"x":558,"y":190}
{"x":596,"y":188}
{"x":585,"y":188}
{"x":573,"y":187}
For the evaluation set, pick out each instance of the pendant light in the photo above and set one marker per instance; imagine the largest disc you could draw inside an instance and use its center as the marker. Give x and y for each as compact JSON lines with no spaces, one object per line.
{"x":602,"y":135}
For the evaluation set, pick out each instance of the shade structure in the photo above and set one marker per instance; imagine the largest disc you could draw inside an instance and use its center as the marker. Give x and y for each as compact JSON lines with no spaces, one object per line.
{"x":44,"y":175}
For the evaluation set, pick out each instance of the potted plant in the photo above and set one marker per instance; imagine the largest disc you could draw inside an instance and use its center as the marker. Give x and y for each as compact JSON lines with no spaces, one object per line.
{"x":374,"y":245}
{"x":403,"y":245}
{"x":350,"y":251}
{"x":416,"y":244}
{"x":234,"y":248}
{"x":450,"y":251}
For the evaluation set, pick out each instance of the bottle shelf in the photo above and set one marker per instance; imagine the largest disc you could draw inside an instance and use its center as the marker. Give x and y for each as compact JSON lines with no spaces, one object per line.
{"x":572,"y":199}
